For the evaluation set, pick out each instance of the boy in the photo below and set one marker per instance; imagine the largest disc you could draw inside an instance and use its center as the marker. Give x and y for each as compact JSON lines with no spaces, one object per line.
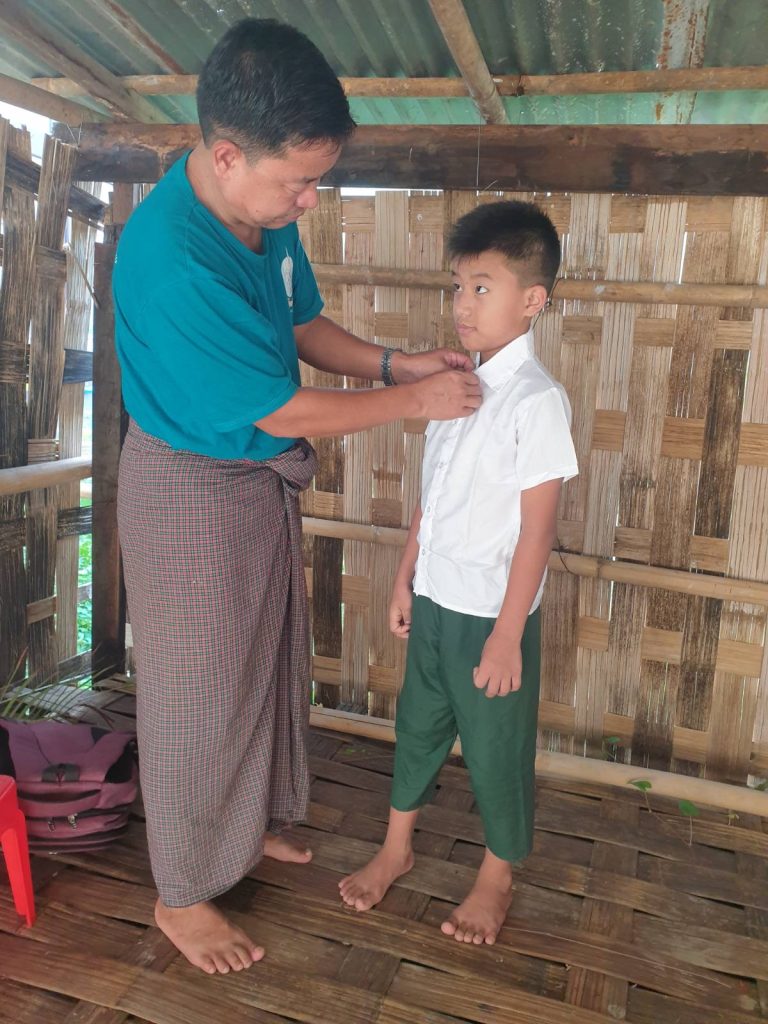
{"x":469,"y":584}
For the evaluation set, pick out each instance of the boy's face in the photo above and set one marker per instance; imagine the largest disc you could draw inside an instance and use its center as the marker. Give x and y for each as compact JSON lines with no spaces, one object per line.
{"x":490,"y":305}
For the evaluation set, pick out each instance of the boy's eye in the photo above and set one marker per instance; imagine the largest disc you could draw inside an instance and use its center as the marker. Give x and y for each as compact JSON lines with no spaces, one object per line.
{"x":456,"y":286}
{"x":480,"y":289}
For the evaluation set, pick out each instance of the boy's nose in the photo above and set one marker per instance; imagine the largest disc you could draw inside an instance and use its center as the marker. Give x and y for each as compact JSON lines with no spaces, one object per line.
{"x":460,"y":307}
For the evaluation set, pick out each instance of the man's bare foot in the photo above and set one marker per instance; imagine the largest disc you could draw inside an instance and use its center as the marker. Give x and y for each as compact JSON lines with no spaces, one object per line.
{"x":282,"y":848}
{"x":367,"y":887}
{"x":481,"y":915}
{"x":206,"y":938}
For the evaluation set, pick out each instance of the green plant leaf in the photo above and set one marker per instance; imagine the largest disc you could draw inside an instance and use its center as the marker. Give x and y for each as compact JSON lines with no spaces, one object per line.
{"x":642,"y":784}
{"x":762,"y":786}
{"x":612,"y":741}
{"x":689,"y":809}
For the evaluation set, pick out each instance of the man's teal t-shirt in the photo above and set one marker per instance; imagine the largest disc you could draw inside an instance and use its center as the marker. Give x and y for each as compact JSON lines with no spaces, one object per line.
{"x":204,"y":326}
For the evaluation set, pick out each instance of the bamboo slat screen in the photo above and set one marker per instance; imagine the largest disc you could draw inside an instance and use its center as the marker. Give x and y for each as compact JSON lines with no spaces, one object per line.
{"x":664,"y":668}
{"x":45,"y":308}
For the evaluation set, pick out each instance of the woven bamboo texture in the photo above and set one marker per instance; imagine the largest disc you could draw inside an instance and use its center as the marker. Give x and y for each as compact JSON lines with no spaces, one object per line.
{"x":654,"y":644}
{"x":624,"y":911}
{"x":45,"y":307}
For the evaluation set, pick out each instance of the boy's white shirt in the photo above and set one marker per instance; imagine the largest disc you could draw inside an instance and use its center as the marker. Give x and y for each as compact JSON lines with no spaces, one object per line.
{"x":473,"y":472}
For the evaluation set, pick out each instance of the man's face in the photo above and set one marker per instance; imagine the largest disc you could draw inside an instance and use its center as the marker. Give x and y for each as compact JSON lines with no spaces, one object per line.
{"x":275,"y":190}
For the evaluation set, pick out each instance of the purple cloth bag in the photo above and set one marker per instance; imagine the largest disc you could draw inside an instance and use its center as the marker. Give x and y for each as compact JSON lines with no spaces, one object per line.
{"x":76,"y":782}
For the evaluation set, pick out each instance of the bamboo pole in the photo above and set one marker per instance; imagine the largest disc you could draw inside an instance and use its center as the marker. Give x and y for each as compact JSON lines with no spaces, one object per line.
{"x":586,"y":83}
{"x":677,"y":580}
{"x":747,"y":295}
{"x":40,"y":101}
{"x":569,"y":767}
{"x":21,"y":479}
{"x":458,"y":33}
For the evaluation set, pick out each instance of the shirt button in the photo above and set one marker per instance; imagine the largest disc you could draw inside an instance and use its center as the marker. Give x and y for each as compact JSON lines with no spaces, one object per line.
{"x":428,"y":508}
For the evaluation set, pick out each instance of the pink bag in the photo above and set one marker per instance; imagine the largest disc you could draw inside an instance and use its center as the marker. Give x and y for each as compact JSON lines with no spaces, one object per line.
{"x":76,"y":783}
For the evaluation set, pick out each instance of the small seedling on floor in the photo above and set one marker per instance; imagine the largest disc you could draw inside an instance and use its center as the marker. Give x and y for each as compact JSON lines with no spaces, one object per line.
{"x":691,"y":811}
{"x":644,"y":786}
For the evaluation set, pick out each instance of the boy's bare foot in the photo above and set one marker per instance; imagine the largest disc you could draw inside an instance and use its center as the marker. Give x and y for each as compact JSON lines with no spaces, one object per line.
{"x":206,"y":938}
{"x":282,"y":848}
{"x":481,"y":915}
{"x":367,"y":887}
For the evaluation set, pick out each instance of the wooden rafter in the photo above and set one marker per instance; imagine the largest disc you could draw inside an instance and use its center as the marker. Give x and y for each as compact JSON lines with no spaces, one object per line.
{"x":646,"y":159}
{"x":39,"y":101}
{"x":465,"y":49}
{"x":128,"y":24}
{"x":31,"y":34}
{"x":514,"y":86}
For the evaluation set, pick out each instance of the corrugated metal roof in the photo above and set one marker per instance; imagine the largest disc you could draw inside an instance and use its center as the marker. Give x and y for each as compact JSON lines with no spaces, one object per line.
{"x":386,"y":38}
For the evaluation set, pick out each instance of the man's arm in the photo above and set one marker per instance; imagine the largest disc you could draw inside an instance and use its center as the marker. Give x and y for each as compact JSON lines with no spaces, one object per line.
{"x":321,"y":412}
{"x":322,"y":343}
{"x":500,"y":666}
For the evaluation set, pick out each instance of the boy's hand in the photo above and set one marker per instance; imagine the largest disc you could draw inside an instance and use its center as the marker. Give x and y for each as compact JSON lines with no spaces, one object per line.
{"x":500,"y":668}
{"x":400,"y":610}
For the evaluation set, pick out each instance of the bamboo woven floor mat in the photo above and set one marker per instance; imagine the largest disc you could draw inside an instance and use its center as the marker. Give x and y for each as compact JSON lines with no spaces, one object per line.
{"x":627,"y":910}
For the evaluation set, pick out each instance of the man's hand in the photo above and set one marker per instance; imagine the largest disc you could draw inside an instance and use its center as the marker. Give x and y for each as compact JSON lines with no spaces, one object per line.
{"x":448,"y":395}
{"x":408,"y":367}
{"x":400,"y":605}
{"x":500,"y":668}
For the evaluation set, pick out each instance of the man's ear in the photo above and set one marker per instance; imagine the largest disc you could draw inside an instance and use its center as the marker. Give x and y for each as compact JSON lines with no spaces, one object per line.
{"x":536,"y":298}
{"x":226,"y":156}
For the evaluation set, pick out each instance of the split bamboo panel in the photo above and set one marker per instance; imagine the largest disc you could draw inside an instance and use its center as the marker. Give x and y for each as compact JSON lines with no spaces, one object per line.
{"x":654,"y":629}
{"x":43,"y":309}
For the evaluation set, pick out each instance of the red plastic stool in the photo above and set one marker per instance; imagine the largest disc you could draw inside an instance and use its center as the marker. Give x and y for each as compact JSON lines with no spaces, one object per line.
{"x":13,"y":837}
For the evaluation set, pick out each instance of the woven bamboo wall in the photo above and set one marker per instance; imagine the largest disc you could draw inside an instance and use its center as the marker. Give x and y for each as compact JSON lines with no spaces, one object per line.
{"x":671,"y":427}
{"x":45,"y":308}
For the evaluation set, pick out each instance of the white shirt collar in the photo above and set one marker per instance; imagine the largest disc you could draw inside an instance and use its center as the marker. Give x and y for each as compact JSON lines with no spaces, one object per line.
{"x":505,"y":363}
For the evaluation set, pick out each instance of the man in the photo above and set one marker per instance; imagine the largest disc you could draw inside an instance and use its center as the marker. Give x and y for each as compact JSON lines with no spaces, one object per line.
{"x":215,"y":303}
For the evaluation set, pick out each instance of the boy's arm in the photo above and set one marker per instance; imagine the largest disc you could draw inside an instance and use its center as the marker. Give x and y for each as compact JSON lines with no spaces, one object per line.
{"x":500,"y":666}
{"x":402,"y":590}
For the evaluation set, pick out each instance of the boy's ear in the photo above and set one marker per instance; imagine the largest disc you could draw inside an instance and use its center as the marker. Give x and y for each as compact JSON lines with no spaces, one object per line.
{"x":536,"y":299}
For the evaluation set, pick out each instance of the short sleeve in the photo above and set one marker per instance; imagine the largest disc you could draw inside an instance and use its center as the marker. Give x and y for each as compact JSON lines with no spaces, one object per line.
{"x":222,"y":356}
{"x":307,"y":303}
{"x":544,"y":445}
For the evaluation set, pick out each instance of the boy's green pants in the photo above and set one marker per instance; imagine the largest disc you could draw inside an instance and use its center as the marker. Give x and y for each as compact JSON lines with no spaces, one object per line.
{"x":498,"y":735}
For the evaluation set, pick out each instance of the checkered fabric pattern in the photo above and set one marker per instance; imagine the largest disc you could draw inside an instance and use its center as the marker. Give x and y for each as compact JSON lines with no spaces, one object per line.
{"x":218,"y":606}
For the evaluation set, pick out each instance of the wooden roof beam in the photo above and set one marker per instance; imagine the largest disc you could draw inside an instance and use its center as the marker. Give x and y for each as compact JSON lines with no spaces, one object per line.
{"x":457,"y":30}
{"x":39,"y":101}
{"x":646,"y":159}
{"x":35,"y":36}
{"x":586,"y":83}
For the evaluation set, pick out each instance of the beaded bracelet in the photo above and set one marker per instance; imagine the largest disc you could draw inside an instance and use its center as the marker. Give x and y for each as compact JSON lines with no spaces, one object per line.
{"x":386,"y":366}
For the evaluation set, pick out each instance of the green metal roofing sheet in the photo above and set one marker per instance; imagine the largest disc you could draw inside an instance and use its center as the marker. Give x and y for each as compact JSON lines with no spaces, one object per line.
{"x":387,"y":38}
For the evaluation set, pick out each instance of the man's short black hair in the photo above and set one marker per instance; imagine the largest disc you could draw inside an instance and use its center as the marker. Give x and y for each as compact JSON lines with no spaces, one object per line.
{"x":521,"y":232}
{"x":265,"y":86}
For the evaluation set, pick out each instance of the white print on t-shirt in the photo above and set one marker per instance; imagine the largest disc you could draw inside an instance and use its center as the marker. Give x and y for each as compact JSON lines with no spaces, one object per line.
{"x":287,"y":268}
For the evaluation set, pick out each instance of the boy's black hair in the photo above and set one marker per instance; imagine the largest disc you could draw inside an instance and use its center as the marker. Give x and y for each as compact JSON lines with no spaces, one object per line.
{"x":521,"y":232}
{"x":265,"y":86}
